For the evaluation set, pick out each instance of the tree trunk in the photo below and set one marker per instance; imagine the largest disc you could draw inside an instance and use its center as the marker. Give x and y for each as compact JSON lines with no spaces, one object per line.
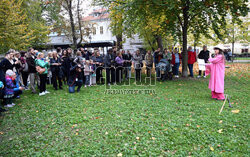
{"x":184,"y":37}
{"x":233,"y":45}
{"x":79,"y":22}
{"x":69,"y":5}
{"x":159,"y":42}
{"x":119,"y":41}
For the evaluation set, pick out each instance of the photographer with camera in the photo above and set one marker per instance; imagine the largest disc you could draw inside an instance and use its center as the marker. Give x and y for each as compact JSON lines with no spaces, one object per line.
{"x":75,"y":78}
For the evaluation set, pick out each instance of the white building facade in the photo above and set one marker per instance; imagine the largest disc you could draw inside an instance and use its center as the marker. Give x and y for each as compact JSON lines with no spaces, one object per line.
{"x":101,"y":32}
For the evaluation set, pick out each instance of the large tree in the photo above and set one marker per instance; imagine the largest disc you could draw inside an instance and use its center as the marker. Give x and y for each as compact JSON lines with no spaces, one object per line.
{"x":183,"y":15}
{"x":14,"y":31}
{"x":65,"y":16}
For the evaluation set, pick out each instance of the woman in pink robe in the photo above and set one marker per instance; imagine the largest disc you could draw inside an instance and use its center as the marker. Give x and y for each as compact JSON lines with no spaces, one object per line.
{"x":216,"y":69}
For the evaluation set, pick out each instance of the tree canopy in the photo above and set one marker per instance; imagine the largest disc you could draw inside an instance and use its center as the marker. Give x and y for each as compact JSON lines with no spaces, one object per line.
{"x":178,"y":18}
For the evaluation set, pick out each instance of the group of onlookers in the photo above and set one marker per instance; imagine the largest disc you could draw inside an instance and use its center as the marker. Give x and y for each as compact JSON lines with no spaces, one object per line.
{"x":18,"y":70}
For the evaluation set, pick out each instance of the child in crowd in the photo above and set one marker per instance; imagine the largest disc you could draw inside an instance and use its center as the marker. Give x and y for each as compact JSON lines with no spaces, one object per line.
{"x":1,"y":95}
{"x":87,"y":71}
{"x":92,"y":74}
{"x":9,"y":89}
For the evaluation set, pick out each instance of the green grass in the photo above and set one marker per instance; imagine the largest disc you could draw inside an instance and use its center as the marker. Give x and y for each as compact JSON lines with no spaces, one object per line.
{"x":179,"y":119}
{"x":242,"y":58}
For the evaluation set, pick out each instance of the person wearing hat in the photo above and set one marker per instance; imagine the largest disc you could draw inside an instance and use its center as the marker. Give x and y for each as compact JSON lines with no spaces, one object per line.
{"x":216,"y":69}
{"x":10,"y":76}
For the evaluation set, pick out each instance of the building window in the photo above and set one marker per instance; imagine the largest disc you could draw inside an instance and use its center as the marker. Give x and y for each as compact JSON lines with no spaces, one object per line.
{"x":244,"y":50}
{"x":94,"y":31}
{"x":101,"y":30}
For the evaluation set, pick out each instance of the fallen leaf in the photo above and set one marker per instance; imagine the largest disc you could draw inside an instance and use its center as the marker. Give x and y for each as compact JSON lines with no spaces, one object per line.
{"x":77,"y":133}
{"x":220,"y":131}
{"x":120,"y":154}
{"x":137,"y":138}
{"x":220,"y":121}
{"x":1,"y":133}
{"x":211,"y":148}
{"x":106,"y":133}
{"x":235,"y":111}
{"x":153,"y":138}
{"x":198,"y":126}
{"x":36,"y":111}
{"x":234,"y":126}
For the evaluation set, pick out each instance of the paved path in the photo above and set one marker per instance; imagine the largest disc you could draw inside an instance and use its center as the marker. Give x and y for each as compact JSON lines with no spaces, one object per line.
{"x":241,"y":61}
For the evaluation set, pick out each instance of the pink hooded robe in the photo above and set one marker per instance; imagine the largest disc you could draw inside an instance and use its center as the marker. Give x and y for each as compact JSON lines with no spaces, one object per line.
{"x":217,"y":73}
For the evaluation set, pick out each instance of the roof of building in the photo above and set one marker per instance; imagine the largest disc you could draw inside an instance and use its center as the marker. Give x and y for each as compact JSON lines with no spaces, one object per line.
{"x":63,"y":40}
{"x":58,"y":40}
{"x":103,"y":14}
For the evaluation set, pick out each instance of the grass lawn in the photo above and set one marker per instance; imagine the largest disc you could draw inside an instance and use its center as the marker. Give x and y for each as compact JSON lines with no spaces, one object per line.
{"x":179,"y":119}
{"x":242,"y":58}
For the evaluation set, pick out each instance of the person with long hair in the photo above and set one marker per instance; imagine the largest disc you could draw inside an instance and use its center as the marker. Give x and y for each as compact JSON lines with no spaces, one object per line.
{"x":55,"y":67}
{"x":216,"y":69}
{"x":43,"y":66}
{"x":119,"y":67}
{"x":24,"y":69}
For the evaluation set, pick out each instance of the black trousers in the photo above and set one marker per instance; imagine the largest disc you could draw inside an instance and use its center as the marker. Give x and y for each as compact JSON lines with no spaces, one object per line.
{"x":138,"y":74}
{"x":43,"y":80}
{"x":55,"y":76}
{"x":119,"y":74}
{"x":110,"y":75}
{"x":99,"y":78}
{"x":25,"y":76}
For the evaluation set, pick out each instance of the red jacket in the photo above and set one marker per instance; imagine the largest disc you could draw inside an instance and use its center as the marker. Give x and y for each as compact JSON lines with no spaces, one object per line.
{"x":191,"y":57}
{"x":173,"y":58}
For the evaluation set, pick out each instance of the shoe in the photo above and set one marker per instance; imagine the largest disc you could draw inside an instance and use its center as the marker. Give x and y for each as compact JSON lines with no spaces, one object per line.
{"x":9,"y":105}
{"x":13,"y":104}
{"x":198,"y":76}
{"x":220,"y":99}
{"x":85,"y":86}
{"x":46,"y":92}
{"x":43,"y":93}
{"x":89,"y":85}
{"x":26,"y":88}
{"x":204,"y":76}
{"x":18,"y":97}
{"x":108,"y":84}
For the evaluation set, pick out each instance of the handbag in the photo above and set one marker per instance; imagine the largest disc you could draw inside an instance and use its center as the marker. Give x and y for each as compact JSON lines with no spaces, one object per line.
{"x":40,"y":70}
{"x":25,"y":67}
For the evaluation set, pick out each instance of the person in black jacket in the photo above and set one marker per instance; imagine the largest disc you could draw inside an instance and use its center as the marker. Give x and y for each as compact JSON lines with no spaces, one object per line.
{"x":55,"y":67}
{"x":127,"y":63}
{"x":204,"y":54}
{"x":109,"y":62}
{"x":7,"y":64}
{"x":99,"y":67}
{"x":32,"y":68}
{"x":75,"y":78}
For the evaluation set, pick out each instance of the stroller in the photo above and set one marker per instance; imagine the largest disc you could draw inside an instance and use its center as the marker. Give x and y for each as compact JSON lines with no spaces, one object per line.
{"x":164,"y":70}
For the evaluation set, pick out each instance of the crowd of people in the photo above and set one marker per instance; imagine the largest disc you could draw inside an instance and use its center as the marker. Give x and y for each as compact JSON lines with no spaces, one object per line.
{"x":33,"y":70}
